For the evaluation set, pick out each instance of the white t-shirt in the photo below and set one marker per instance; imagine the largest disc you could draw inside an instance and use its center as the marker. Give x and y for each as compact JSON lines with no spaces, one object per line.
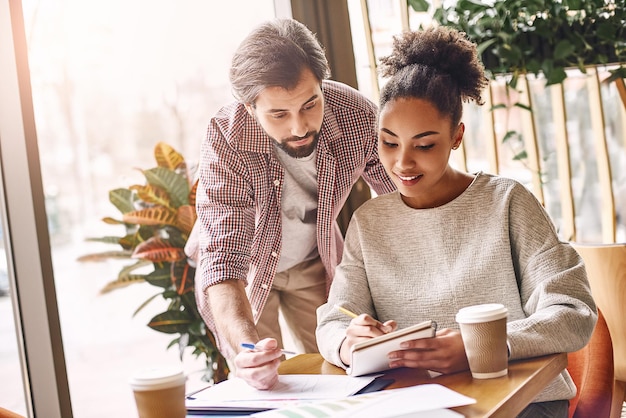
{"x":298,"y":210}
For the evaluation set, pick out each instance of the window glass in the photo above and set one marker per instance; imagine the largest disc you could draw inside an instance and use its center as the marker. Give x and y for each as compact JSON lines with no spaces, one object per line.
{"x":11,"y":386}
{"x":110,"y":79}
{"x":615,"y":127}
{"x":584,"y":162}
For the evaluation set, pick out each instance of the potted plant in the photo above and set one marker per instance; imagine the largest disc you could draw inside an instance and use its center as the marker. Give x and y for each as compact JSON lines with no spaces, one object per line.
{"x":157,"y":218}
{"x":542,"y":36}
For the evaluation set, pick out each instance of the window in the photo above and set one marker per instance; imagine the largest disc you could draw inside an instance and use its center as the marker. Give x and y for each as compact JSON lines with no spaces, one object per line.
{"x":109,"y":80}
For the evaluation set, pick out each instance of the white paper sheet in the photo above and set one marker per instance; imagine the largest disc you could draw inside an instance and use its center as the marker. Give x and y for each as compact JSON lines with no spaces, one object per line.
{"x":236,"y":394}
{"x":416,"y":401}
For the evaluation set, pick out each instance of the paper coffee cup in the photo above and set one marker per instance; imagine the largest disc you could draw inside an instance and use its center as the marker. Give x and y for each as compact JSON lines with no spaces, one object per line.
{"x":159,"y":393}
{"x":483,"y":329}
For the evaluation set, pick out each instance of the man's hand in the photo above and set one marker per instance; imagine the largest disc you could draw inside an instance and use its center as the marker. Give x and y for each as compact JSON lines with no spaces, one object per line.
{"x":259,"y":367}
{"x":445,"y":353}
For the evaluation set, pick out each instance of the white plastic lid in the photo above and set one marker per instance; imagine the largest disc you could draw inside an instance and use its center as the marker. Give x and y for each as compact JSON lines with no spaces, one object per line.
{"x":481,"y":313}
{"x":157,"y":378}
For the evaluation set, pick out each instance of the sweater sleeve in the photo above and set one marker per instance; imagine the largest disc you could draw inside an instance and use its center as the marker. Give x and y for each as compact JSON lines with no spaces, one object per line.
{"x":554,"y":291}
{"x":352,"y":294}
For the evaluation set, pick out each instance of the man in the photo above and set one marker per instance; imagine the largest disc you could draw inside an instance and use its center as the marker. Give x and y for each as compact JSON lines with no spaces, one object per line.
{"x":275,"y":171}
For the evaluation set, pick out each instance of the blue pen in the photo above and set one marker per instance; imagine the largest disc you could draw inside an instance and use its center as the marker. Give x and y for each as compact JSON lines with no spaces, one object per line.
{"x":251,"y":346}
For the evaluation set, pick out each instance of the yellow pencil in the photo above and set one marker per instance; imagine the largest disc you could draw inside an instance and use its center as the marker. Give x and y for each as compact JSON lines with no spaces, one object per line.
{"x":345,"y":311}
{"x":351,"y":314}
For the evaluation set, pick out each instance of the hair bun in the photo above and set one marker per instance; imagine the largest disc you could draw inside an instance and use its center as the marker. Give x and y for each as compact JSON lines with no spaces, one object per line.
{"x":441,"y":49}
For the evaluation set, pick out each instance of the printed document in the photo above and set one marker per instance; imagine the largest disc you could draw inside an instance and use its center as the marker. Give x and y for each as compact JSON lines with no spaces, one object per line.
{"x":429,"y":400}
{"x":236,"y":395}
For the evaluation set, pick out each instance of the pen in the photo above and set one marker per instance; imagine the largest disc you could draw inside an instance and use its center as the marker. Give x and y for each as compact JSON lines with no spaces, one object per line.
{"x":190,"y":394}
{"x":251,"y":346}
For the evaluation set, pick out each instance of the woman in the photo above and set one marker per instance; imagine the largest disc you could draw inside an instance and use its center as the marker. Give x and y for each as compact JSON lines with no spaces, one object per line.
{"x":449,"y":239}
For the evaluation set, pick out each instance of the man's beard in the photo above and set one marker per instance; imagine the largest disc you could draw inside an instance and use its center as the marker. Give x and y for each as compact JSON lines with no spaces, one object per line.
{"x":299,"y":152}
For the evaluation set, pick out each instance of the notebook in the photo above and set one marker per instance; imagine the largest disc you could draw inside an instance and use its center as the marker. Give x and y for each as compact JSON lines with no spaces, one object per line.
{"x":370,"y":356}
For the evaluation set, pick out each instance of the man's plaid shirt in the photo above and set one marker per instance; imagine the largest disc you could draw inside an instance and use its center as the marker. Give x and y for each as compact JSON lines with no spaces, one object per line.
{"x":240,"y":186}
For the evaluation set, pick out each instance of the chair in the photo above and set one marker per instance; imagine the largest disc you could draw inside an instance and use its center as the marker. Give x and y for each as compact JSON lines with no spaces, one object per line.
{"x":606,"y":271}
{"x":5,"y":413}
{"x":591,"y":369}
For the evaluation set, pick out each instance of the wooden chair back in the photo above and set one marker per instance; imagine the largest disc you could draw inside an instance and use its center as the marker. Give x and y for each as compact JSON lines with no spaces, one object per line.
{"x":591,"y":369}
{"x":606,"y":271}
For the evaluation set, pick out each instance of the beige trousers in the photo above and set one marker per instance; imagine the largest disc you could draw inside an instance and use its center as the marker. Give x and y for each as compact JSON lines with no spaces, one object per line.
{"x":296,"y":293}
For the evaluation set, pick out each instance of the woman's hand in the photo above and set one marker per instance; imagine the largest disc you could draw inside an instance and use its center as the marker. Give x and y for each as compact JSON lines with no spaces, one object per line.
{"x":361,"y":328}
{"x":444,"y":353}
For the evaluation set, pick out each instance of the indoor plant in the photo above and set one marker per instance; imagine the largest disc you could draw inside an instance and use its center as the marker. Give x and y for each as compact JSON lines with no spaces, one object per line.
{"x":540,"y":37}
{"x":157,"y":218}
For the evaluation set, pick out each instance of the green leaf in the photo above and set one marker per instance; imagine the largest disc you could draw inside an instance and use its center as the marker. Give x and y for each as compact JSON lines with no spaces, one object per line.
{"x":606,"y":31}
{"x":122,"y":281}
{"x":160,"y":278}
{"x":523,"y":106}
{"x":555,"y":76}
{"x":520,"y":156}
{"x":510,"y":135}
{"x":122,"y":199}
{"x":107,"y":255}
{"x":574,"y":4}
{"x":616,"y":74}
{"x":171,"y":322}
{"x":170,"y":294}
{"x":563,"y":49}
{"x":189,"y":301}
{"x":125,"y":277}
{"x":533,"y":66}
{"x":482,"y":47}
{"x":105,"y":240}
{"x":173,"y":183}
{"x":419,"y":5}
{"x":172,"y":343}
{"x":145,"y":303}
{"x":197,"y":328}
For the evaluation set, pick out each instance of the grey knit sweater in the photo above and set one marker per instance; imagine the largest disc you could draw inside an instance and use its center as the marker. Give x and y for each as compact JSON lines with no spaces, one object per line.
{"x":493,"y":244}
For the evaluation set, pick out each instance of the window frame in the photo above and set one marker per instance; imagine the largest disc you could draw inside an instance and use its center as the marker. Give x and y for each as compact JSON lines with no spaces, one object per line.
{"x":23,"y":209}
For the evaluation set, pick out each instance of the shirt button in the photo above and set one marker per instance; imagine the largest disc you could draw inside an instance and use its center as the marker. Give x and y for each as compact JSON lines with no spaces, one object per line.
{"x":264,"y":286}
{"x":274,"y":254}
{"x":276,"y":182}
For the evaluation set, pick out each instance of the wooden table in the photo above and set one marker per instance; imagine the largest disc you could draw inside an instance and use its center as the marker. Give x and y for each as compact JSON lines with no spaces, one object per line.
{"x":505,"y":396}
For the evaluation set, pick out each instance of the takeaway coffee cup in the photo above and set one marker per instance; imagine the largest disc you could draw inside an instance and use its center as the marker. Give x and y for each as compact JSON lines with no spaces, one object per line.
{"x":483,"y":329}
{"x":159,"y":393}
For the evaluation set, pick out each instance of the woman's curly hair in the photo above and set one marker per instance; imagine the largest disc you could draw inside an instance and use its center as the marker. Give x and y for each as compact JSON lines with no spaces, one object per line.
{"x":437,"y":64}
